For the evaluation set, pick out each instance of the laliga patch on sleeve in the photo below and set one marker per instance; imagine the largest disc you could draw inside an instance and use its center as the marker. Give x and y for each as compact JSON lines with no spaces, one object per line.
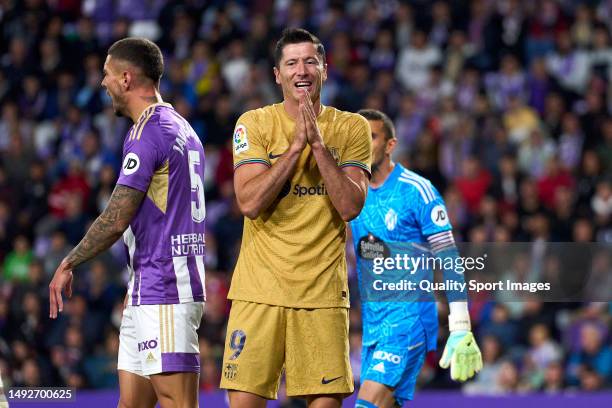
{"x":439,"y":216}
{"x":131,"y":163}
{"x":241,"y":141}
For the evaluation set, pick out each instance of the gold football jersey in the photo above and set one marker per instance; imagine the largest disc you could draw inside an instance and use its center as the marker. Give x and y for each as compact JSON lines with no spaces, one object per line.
{"x":293,"y":254}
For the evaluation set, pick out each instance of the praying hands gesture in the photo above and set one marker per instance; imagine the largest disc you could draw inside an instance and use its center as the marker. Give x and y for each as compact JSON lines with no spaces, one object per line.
{"x":308,"y":115}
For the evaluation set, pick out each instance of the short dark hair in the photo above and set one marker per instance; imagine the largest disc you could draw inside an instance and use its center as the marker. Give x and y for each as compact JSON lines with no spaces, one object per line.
{"x":373,"y":114}
{"x":141,"y":53}
{"x":296,"y":36}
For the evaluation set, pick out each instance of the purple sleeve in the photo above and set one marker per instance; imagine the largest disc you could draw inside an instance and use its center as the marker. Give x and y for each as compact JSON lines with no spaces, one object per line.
{"x":142,"y":156}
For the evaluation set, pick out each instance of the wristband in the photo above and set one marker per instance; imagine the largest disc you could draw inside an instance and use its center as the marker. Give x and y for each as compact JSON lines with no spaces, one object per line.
{"x":459,"y":317}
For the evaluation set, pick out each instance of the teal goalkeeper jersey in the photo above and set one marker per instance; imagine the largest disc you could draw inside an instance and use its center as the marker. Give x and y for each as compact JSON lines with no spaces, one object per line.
{"x":405,"y":209}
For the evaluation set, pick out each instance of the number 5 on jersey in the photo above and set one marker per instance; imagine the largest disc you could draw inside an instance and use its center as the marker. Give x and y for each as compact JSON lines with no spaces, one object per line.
{"x":198,"y":208}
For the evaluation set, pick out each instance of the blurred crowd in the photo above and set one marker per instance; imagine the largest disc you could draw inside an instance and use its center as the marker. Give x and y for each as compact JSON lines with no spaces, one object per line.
{"x":503,"y":104}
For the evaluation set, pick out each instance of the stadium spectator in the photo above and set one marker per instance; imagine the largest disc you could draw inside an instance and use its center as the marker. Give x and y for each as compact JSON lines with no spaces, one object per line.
{"x":520,"y":120}
{"x":100,"y":366}
{"x":562,"y":215}
{"x":543,"y":350}
{"x":568,"y":65}
{"x":414,"y":63}
{"x":553,"y":378}
{"x":593,"y":357}
{"x":55,"y":250}
{"x":473,"y":183}
{"x":501,"y":326}
{"x":535,"y":152}
{"x":555,"y":177}
{"x":17,"y":262}
{"x":506,"y":89}
{"x":604,"y":150}
{"x":600,"y":56}
{"x":507,"y":379}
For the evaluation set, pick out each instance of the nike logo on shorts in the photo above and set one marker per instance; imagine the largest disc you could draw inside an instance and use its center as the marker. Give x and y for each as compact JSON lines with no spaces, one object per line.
{"x":324,"y":381}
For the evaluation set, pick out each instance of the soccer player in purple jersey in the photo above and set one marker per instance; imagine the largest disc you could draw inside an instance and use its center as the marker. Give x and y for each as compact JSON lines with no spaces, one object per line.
{"x":158,"y":207}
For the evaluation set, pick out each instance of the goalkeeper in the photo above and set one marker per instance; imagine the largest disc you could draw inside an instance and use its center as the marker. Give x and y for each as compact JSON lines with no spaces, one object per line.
{"x":402,"y":206}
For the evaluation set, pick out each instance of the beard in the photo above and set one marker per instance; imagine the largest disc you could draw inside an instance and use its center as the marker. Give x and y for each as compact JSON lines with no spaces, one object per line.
{"x":118,"y":104}
{"x":376,"y":164}
{"x":119,"y":109}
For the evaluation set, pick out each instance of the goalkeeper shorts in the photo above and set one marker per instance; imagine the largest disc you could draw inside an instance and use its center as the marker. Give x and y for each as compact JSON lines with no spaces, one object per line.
{"x":396,"y":360}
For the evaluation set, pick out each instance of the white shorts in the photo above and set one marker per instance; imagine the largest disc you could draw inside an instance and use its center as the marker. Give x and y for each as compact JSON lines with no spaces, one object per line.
{"x":157,"y":339}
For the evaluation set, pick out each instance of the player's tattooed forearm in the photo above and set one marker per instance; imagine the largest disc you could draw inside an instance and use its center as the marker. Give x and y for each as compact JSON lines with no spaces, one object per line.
{"x":109,"y":226}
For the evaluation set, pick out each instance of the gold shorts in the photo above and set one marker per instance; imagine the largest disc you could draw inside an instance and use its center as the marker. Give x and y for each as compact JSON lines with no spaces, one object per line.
{"x":310,"y":344}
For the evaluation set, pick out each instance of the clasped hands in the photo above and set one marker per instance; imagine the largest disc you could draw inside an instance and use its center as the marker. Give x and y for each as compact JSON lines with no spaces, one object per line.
{"x":306,"y":128}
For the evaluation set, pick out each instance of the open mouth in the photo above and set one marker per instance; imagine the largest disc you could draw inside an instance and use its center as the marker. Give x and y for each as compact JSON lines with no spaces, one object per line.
{"x":303,"y":84}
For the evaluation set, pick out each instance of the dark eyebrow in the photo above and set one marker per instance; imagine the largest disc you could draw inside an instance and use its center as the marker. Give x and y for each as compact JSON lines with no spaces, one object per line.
{"x":310,"y":58}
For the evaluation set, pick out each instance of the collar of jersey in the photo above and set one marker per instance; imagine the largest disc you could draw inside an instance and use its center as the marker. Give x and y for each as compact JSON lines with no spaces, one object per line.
{"x":154,"y":105}
{"x":281,"y":107}
{"x":391,"y":178}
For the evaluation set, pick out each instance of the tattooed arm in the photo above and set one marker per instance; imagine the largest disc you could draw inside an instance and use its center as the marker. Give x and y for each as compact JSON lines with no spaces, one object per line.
{"x":106,"y":229}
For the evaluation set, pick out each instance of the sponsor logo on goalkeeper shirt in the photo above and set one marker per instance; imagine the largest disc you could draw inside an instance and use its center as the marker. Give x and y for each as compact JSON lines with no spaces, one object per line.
{"x":391,"y":219}
{"x":370,"y":247}
{"x":439,"y":216}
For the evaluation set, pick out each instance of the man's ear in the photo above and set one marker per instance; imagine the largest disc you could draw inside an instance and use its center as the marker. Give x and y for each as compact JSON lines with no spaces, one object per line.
{"x":276,"y":75}
{"x":324,"y":73}
{"x":390,"y":145}
{"x":127,"y":80}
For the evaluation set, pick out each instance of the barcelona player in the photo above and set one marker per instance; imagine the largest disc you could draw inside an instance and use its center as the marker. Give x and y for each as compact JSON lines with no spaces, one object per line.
{"x":402,"y":206}
{"x":301,"y":172}
{"x":158,"y":207}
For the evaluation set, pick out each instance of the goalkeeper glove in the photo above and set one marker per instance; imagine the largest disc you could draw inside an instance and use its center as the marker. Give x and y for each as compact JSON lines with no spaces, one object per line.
{"x":461,"y":352}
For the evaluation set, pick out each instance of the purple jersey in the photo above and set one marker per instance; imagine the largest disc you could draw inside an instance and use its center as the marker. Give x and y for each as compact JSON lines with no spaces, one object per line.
{"x":163,"y":157}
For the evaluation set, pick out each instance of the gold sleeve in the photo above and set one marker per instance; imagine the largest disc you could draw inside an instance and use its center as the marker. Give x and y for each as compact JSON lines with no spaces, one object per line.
{"x":358,"y":152}
{"x":248,"y":144}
